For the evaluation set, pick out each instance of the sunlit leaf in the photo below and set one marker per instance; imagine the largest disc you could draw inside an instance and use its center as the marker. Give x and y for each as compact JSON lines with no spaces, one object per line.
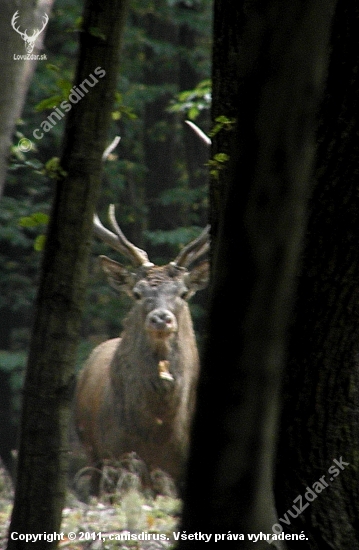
{"x":39,"y":243}
{"x":36,"y":219}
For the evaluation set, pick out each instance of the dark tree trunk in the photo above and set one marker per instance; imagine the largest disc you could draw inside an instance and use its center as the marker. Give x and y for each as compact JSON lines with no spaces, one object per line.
{"x":320,"y":414}
{"x":42,"y":464}
{"x":7,"y":423}
{"x":269,"y":63}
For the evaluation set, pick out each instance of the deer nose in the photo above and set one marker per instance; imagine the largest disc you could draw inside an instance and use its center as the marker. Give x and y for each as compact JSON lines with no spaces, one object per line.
{"x":161,"y":320}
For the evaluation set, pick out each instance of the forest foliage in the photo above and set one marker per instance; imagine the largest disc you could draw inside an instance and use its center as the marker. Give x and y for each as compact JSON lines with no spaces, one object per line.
{"x":157,"y":177}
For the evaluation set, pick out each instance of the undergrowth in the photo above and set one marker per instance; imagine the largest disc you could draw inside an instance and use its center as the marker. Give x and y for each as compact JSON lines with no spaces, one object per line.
{"x":126,"y":511}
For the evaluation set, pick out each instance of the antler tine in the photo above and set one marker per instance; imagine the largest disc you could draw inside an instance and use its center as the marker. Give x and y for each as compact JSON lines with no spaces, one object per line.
{"x":119,"y":242}
{"x":194,"y":250}
{"x":105,"y":235}
{"x":136,"y":255}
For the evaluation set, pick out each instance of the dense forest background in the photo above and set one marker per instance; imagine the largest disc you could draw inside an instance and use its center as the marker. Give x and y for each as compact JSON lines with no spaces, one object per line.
{"x":156,"y":178}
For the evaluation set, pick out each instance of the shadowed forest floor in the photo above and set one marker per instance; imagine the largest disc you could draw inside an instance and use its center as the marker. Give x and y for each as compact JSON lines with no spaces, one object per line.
{"x":130,"y":521}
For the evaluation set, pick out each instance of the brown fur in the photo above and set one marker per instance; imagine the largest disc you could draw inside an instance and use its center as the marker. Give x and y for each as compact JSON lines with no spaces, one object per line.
{"x":137,"y":393}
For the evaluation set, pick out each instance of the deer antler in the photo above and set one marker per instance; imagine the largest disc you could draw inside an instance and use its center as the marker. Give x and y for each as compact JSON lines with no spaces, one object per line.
{"x":118,"y":241}
{"x":194,"y":250}
{"x":190,"y":253}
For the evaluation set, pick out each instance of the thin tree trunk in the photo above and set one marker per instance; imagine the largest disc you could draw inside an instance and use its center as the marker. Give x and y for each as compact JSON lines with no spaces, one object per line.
{"x":18,"y":72}
{"x":269,"y":64}
{"x":43,"y":453}
{"x":320,"y":414}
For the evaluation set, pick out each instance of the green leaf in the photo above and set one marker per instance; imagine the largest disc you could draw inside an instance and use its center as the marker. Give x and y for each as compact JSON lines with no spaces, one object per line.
{"x":36,"y":219}
{"x":192,"y":102}
{"x":53,"y":169}
{"x":78,"y":24}
{"x":221,"y":157}
{"x":193,"y":112}
{"x":39,"y":243}
{"x":53,"y":67}
{"x":217,"y":163}
{"x":49,"y":103}
{"x":65,"y":86}
{"x":222,"y":123}
{"x":95,"y":31}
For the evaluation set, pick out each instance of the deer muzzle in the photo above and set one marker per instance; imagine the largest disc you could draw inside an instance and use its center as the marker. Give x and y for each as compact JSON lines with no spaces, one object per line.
{"x":161,"y":323}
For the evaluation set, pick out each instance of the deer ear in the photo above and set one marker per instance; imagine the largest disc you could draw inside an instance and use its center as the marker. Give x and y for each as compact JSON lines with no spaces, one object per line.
{"x":198,"y":277}
{"x":118,"y":276}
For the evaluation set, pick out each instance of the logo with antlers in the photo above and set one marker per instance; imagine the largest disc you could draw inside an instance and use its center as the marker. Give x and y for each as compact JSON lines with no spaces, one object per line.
{"x":29,"y":40}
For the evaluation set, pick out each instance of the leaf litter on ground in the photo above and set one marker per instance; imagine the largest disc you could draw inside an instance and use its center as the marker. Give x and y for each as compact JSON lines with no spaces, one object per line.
{"x":130,"y":513}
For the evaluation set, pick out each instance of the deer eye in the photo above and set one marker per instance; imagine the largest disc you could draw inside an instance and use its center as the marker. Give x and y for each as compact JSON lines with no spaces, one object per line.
{"x":184,"y":294}
{"x":136,"y":294}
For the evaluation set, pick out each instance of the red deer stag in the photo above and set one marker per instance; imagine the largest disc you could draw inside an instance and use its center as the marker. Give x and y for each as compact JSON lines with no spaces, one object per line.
{"x":137,"y":393}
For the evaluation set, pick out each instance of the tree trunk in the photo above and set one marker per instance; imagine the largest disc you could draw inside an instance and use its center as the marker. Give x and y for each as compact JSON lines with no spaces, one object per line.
{"x":320,"y":414}
{"x":269,"y":63}
{"x":42,"y":465}
{"x":18,"y":72}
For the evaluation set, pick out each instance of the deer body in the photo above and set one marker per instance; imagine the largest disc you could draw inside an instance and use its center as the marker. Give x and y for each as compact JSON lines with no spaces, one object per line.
{"x":137,"y":393}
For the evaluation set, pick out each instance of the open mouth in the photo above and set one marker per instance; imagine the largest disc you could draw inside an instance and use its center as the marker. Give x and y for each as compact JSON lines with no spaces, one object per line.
{"x":161,"y":334}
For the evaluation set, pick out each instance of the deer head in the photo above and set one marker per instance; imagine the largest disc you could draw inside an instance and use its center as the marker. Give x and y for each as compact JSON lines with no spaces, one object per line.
{"x":119,"y":276}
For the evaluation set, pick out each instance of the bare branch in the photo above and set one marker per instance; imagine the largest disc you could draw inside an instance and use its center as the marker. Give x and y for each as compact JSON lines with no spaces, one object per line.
{"x":110,"y":148}
{"x":199,"y":132}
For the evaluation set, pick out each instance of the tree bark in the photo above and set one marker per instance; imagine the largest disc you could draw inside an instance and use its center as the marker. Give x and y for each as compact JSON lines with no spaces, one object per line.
{"x":43,"y":452}
{"x":320,"y":412}
{"x":18,"y":72}
{"x":269,"y":65}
